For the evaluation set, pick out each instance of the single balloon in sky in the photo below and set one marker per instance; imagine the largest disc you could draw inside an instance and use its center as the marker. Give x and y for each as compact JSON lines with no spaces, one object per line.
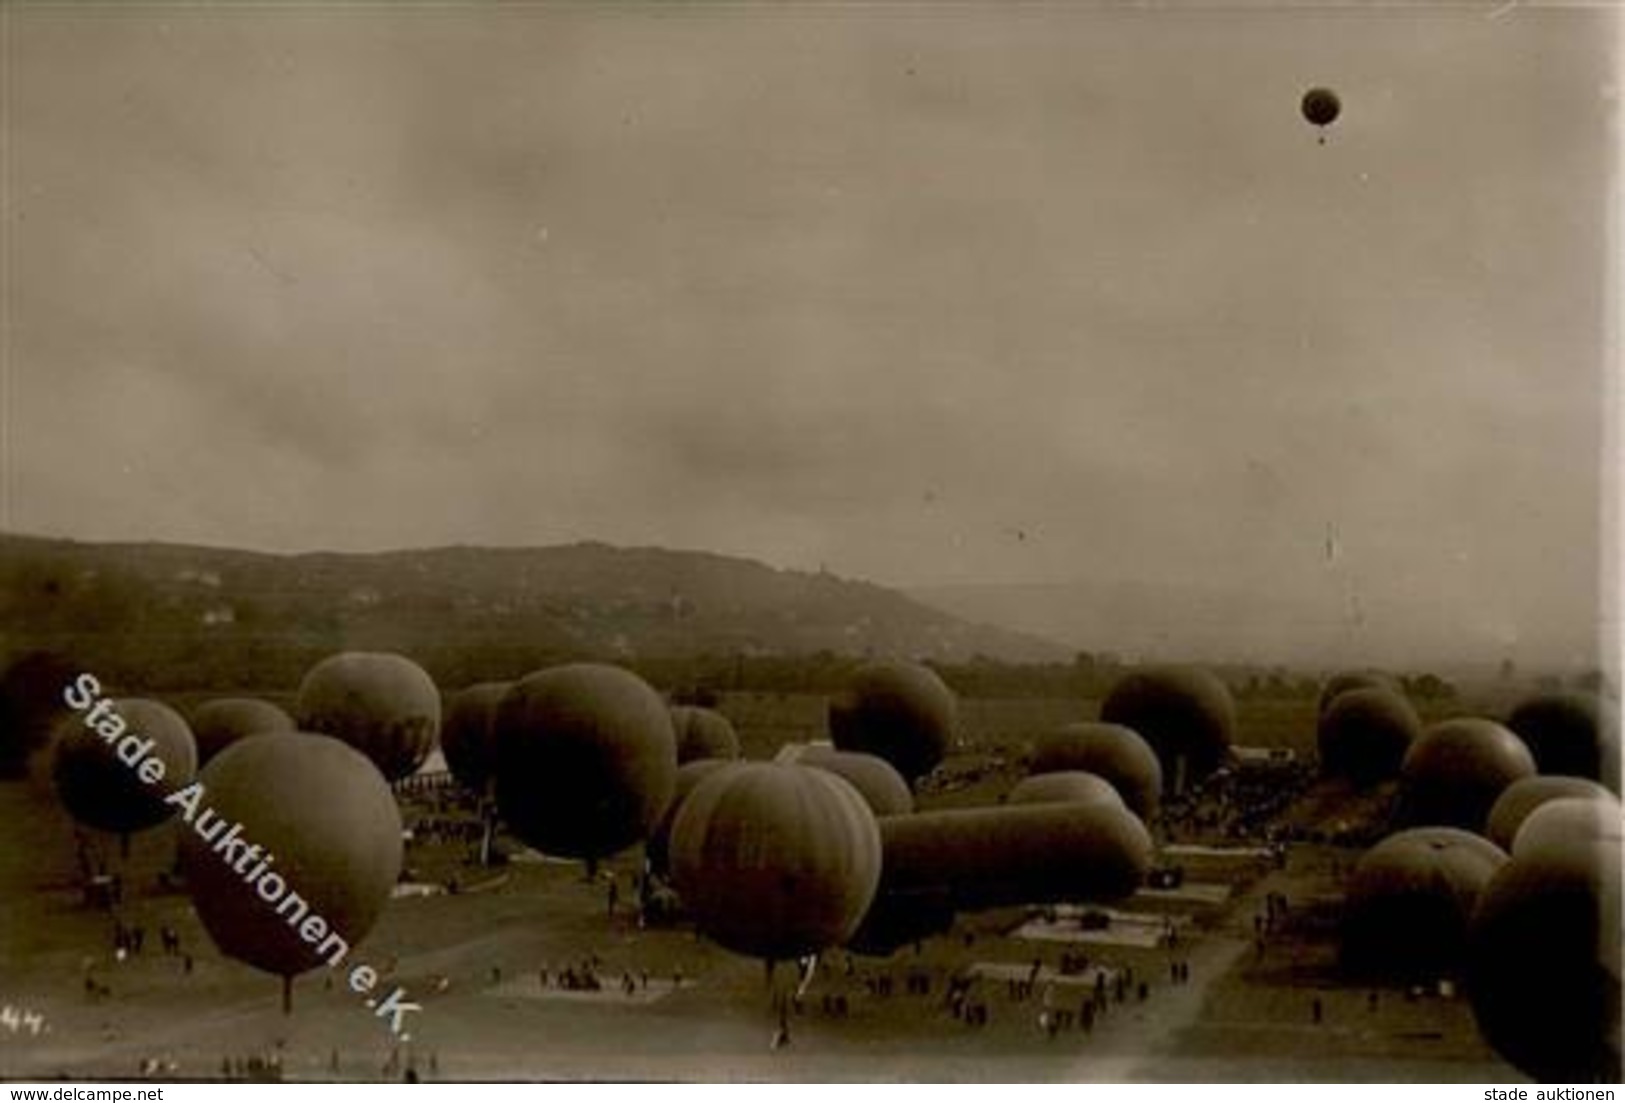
{"x":1321,"y":107}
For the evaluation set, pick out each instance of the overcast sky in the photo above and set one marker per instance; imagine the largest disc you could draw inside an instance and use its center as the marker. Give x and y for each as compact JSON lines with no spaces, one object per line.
{"x":925,"y":294}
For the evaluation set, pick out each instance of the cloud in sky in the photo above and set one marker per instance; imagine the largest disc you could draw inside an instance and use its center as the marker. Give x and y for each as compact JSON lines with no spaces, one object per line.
{"x":925,"y":294}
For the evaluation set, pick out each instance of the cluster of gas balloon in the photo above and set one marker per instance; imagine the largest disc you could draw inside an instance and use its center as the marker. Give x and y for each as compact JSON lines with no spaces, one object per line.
{"x":1504,"y":870}
{"x":311,"y":792}
{"x":886,"y":874}
{"x":772,"y":859}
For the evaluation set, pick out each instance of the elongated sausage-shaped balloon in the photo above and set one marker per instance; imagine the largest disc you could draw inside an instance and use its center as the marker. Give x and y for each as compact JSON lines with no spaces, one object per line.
{"x":1016,"y":854}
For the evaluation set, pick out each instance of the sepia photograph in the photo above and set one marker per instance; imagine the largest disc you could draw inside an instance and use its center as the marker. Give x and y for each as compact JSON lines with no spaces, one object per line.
{"x":937,"y":542}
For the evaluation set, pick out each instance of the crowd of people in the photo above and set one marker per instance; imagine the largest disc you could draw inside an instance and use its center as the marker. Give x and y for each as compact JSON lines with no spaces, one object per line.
{"x":1239,"y":805}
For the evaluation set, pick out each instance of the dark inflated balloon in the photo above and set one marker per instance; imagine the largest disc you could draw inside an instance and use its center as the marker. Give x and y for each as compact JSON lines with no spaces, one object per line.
{"x":220,"y":723}
{"x":1453,"y":774}
{"x":1016,"y":854}
{"x":658,"y":845}
{"x":1184,"y":713}
{"x":1552,"y":825}
{"x":894,"y":921}
{"x":775,"y":861}
{"x":703,"y":733}
{"x":30,"y":705}
{"x":1110,"y":751}
{"x":1574,"y":734}
{"x":1347,"y":680}
{"x":467,"y":734}
{"x":383,"y":705}
{"x":586,"y":759}
{"x":1543,"y":966}
{"x":1321,"y":106}
{"x":1522,"y":797}
{"x":1064,"y":786}
{"x":1364,"y":733}
{"x":104,"y":792}
{"x":1409,"y":902}
{"x":327,"y":815}
{"x":881,"y":787}
{"x":899,"y":711}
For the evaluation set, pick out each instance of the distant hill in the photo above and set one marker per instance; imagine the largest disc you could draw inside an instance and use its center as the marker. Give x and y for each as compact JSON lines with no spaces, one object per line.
{"x":1141,"y":620}
{"x":171,"y":616}
{"x":1144,"y":620}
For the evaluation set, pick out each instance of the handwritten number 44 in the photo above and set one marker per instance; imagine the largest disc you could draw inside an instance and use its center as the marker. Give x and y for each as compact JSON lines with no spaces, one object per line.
{"x":16,"y":1020}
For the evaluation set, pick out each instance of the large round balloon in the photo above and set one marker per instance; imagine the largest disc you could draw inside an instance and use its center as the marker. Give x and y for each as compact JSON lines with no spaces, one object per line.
{"x":1452,"y":776}
{"x":1522,"y":797}
{"x":1364,"y":734}
{"x":218,"y":724}
{"x":1344,"y":681}
{"x":703,"y":733}
{"x":1575,"y":734}
{"x":775,"y":861}
{"x":1555,"y":822}
{"x":689,"y":775}
{"x":899,"y":711}
{"x":881,"y":787}
{"x":30,"y":705}
{"x":100,"y":781}
{"x":1016,"y":854}
{"x":1184,"y":713}
{"x":1321,"y":106}
{"x":586,"y":759}
{"x":1543,"y":964}
{"x":1410,"y":900}
{"x":328,"y":817}
{"x":383,"y":705}
{"x":467,"y":734}
{"x":1111,"y":751}
{"x":1064,"y":786}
